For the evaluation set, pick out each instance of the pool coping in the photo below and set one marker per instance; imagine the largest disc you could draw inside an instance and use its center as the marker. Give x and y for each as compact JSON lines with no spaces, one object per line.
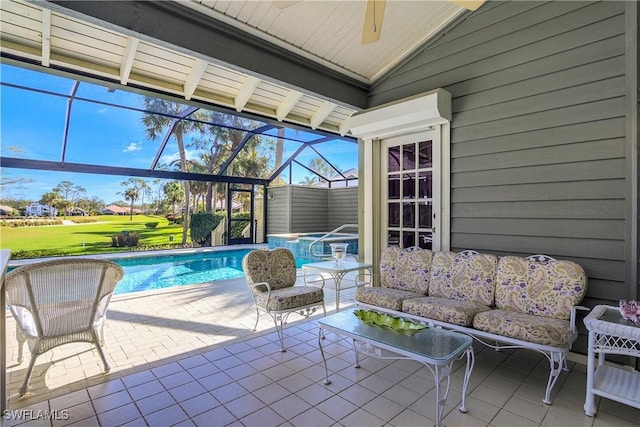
{"x":142,"y":254}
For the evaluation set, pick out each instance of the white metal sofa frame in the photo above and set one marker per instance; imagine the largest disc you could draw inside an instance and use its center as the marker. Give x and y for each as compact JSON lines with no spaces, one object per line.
{"x":271,"y":276}
{"x":555,"y":355}
{"x":60,"y":302}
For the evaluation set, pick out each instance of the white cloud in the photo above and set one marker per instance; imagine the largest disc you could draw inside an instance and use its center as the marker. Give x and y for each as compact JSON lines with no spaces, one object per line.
{"x":134,"y":146}
{"x":174,"y":158}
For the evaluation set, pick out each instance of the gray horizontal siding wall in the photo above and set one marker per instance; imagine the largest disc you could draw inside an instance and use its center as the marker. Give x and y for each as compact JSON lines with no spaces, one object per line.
{"x":309,"y":210}
{"x":538,"y":132}
{"x":343,"y":208}
{"x":300,"y":209}
{"x":278,"y":212}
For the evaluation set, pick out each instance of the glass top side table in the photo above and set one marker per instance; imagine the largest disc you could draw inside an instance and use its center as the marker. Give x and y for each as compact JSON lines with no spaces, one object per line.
{"x":609,"y":333}
{"x":337,"y":273}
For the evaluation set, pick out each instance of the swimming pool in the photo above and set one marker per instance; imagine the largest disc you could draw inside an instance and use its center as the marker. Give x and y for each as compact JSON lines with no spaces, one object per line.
{"x":298,"y":243}
{"x":165,"y":271}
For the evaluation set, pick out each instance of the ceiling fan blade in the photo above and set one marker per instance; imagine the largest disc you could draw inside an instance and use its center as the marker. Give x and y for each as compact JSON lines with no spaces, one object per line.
{"x":372,"y":24}
{"x":468,"y":4}
{"x":284,"y":4}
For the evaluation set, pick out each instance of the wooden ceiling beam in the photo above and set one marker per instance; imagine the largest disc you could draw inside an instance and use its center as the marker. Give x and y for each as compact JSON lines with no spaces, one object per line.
{"x":197,"y":71}
{"x":127,"y":59}
{"x":46,"y":37}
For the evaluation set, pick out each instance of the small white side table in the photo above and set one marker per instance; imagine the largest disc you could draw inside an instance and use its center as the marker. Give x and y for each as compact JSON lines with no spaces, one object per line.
{"x":609,"y":333}
{"x":337,"y":273}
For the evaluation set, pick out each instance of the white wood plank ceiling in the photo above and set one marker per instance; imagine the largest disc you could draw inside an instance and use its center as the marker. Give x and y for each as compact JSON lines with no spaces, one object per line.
{"x":327,"y":32}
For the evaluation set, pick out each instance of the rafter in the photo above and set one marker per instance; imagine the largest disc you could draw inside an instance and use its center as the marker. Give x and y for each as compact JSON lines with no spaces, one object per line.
{"x":245,"y":92}
{"x":323,"y":112}
{"x":197,"y":71}
{"x":46,"y":37}
{"x":287,"y":104}
{"x":345,"y":126}
{"x":127,"y":59}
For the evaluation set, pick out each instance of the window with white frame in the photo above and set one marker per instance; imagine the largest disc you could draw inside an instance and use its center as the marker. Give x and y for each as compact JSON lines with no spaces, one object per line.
{"x":411,"y":191}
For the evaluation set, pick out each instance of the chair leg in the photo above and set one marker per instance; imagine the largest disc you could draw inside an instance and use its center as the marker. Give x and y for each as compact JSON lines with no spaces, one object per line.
{"x":255,"y":327}
{"x":279,"y":329}
{"x":107,"y":366}
{"x":102,"y":340}
{"x":21,"y":340}
{"x":25,"y":385}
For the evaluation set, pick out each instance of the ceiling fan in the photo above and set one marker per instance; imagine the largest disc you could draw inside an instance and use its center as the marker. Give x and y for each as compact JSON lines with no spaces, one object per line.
{"x":374,"y":12}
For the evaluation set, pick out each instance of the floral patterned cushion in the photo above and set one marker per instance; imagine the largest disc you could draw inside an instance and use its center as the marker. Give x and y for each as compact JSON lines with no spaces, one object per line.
{"x":526,"y":327}
{"x":292,"y":297}
{"x":384,"y":297}
{"x":406,"y":269}
{"x":444,"y":309}
{"x":464,"y":277}
{"x":276,"y":267}
{"x":549,"y":288}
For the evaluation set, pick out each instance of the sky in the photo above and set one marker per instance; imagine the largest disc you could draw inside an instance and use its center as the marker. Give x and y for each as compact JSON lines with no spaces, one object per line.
{"x":32,"y":125}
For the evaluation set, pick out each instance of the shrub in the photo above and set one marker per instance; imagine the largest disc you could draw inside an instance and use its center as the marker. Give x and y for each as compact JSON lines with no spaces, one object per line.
{"x":151,"y":225}
{"x":124,"y":239}
{"x":239,"y":226}
{"x":202,"y":224}
{"x":83,"y":219}
{"x":30,"y":222}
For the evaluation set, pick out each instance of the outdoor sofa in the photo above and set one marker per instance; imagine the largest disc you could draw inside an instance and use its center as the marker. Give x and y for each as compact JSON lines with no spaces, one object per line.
{"x":503,"y":302}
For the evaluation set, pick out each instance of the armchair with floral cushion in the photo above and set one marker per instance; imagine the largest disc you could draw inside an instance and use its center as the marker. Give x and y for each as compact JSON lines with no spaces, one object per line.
{"x":271,"y":276}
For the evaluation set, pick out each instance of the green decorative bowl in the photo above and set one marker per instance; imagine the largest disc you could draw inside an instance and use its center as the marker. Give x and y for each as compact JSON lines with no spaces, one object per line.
{"x":396,"y":324}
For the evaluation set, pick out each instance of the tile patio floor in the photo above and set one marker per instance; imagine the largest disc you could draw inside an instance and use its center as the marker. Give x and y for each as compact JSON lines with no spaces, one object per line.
{"x":188,"y":356}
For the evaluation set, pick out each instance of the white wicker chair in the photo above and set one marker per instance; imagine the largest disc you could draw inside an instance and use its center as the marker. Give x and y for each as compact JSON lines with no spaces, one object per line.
{"x":271,"y":276}
{"x":60,"y":302}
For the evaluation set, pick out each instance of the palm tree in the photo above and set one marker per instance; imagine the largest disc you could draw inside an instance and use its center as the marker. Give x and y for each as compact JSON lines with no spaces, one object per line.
{"x":132,"y":195}
{"x":174,"y":194}
{"x":309,"y":180}
{"x":140,"y":185}
{"x":169,"y":119}
{"x":221,"y":143}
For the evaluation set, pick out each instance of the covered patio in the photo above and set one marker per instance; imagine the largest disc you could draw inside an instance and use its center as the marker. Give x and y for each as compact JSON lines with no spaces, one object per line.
{"x":187,"y":356}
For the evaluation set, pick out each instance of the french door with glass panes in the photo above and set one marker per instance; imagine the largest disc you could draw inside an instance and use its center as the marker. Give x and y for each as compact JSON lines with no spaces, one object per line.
{"x":411,"y":190}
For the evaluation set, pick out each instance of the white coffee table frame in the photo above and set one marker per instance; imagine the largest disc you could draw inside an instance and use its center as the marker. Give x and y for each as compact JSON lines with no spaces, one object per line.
{"x":435,"y":348}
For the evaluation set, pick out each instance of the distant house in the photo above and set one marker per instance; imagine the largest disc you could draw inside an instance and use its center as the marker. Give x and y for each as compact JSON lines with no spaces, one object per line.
{"x":115,"y":210}
{"x":38,"y":209}
{"x":6,"y":210}
{"x":338,"y":180}
{"x":222,"y":204}
{"x":78,"y":212}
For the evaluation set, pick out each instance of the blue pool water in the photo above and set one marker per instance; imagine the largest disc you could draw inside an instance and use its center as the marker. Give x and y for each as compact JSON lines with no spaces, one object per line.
{"x":164,"y":271}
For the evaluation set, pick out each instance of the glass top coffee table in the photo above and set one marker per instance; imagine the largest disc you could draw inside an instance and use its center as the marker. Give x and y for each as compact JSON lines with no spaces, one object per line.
{"x":436,"y":348}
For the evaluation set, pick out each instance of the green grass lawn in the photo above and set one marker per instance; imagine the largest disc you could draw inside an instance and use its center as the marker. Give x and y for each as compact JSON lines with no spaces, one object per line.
{"x":86,"y":239}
